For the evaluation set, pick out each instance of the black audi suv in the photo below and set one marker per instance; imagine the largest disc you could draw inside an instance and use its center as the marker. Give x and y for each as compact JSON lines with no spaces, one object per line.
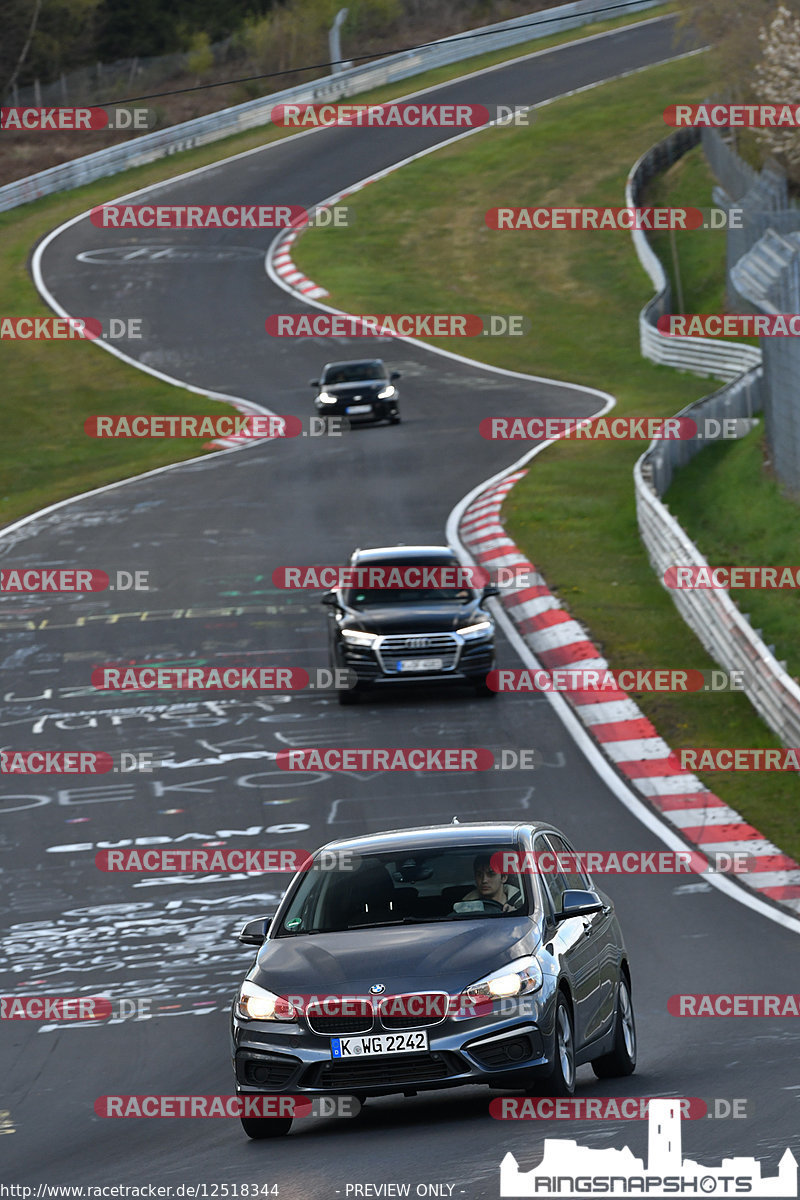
{"x":361,"y":390}
{"x":431,"y":958}
{"x":398,"y":635}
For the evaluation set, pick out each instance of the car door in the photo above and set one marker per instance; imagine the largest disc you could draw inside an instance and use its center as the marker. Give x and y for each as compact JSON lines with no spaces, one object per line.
{"x":601,"y":939}
{"x":572,"y":945}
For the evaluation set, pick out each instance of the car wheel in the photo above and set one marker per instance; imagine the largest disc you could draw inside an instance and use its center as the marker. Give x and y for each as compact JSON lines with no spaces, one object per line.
{"x":621,"y":1059}
{"x":562,"y":1080}
{"x":265,"y":1127}
{"x":394,"y":418}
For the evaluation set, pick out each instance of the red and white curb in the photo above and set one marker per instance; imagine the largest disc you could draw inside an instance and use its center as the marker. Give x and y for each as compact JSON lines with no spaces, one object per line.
{"x":238,"y":439}
{"x":622,"y":731}
{"x":285,"y":268}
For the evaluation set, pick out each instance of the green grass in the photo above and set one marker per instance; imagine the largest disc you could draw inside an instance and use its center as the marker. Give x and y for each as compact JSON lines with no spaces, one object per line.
{"x":49,"y":388}
{"x":733,"y":508}
{"x":574,"y":513}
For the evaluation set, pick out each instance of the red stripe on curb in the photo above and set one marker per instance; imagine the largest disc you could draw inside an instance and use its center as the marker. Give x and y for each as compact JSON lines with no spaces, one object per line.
{"x":621,"y":731}
{"x":683,"y":800}
{"x":564,"y":656}
{"x":546,"y":619}
{"x":788,"y":891}
{"x":650,"y":768}
{"x":700,"y":834}
{"x":582,"y":698}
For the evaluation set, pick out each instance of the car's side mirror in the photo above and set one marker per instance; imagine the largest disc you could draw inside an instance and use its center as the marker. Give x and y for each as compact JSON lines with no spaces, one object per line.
{"x":490,"y":589}
{"x":254,"y":932}
{"x":575,"y":903}
{"x":330,"y":599}
{"x":395,"y":375}
{"x":313,"y":383}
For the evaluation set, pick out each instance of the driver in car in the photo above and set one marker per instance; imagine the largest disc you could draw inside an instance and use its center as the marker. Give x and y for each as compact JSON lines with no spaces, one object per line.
{"x":489,"y":885}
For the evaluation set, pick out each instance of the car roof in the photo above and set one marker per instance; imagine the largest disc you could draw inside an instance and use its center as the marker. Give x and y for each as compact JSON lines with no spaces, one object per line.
{"x":430,"y":837}
{"x":352,"y":362}
{"x":403,"y":554}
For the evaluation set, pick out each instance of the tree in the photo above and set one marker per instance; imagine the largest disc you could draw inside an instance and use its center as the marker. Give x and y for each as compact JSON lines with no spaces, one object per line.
{"x":777,"y":81}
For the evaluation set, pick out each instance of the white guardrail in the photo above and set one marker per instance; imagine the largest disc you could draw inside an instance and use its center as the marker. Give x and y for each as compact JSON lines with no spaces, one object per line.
{"x":198,"y":132}
{"x":711,"y":614}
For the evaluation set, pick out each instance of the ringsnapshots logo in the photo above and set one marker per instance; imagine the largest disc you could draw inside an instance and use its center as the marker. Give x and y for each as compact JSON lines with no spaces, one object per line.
{"x":567,"y":1169}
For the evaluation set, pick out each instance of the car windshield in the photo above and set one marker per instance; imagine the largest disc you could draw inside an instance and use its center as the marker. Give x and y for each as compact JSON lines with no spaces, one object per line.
{"x":353,"y":372}
{"x":409,"y":888}
{"x":370,"y":597}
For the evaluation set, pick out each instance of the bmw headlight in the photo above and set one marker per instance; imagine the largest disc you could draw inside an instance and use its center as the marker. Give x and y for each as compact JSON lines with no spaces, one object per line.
{"x":327,"y":398}
{"x":387,"y":393}
{"x":477,"y":631}
{"x":354,"y":637}
{"x":255,"y":1003}
{"x":519,"y":978}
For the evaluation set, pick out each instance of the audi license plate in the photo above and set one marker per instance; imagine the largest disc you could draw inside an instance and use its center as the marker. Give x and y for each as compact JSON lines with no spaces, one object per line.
{"x":359,"y":408}
{"x":381,"y":1043}
{"x":420,"y":664}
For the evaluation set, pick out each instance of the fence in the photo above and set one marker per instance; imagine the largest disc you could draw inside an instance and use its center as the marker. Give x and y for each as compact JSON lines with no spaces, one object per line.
{"x":712,"y":615}
{"x":253,"y":113}
{"x":702,"y":356}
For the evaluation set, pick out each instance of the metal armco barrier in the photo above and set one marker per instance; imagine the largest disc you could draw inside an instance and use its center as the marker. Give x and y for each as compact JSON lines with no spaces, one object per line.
{"x":710,"y":613}
{"x":198,"y":132}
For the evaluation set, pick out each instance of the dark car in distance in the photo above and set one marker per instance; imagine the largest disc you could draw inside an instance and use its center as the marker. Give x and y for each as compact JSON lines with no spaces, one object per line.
{"x":401,"y":635}
{"x":405,"y":961}
{"x":361,"y":390}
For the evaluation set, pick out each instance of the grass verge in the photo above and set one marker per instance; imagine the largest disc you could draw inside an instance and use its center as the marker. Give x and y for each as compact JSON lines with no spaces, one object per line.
{"x":574,"y":513}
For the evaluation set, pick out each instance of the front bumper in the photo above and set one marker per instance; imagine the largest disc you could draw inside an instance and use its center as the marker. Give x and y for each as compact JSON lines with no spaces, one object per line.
{"x":460,"y":660}
{"x":490,"y":1050}
{"x":377,"y":410}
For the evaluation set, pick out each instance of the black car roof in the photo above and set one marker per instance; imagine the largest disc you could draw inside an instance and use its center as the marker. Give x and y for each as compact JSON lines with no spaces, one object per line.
{"x":415,"y":554}
{"x":429,"y":837}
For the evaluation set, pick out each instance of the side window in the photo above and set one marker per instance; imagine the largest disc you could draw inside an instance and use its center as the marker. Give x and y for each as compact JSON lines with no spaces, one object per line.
{"x":572,"y":874}
{"x":552,"y":885}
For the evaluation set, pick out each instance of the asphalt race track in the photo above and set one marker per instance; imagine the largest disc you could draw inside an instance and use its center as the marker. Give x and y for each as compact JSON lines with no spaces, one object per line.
{"x":210,"y":534}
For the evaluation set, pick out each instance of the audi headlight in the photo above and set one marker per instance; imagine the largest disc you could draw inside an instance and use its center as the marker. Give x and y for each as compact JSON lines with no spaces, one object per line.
{"x":354,"y":637}
{"x":327,"y":398}
{"x":387,"y":393}
{"x":519,"y":978}
{"x":255,"y":1003}
{"x":474,"y":633}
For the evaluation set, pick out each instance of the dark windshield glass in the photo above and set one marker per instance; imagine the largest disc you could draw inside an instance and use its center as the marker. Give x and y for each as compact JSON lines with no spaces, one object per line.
{"x":353,"y":372}
{"x":415,"y":887}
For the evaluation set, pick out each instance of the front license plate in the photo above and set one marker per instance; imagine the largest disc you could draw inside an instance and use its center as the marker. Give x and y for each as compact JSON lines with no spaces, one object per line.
{"x":359,"y":408}
{"x":381,"y":1043}
{"x":420,"y":664}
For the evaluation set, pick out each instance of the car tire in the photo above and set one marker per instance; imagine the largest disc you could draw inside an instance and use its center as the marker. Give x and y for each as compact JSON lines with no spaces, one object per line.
{"x":259,"y":1128}
{"x":621,"y":1059}
{"x":561,"y":1082}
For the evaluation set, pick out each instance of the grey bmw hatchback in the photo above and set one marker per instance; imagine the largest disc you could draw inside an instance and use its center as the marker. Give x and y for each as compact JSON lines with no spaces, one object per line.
{"x":431,"y":958}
